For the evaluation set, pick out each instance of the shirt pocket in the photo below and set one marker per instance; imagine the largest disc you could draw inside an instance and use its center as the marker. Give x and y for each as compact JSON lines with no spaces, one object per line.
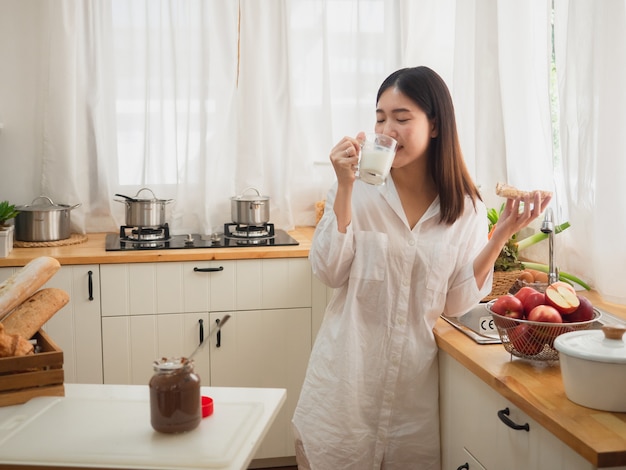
{"x":370,"y":256}
{"x":441,"y":265}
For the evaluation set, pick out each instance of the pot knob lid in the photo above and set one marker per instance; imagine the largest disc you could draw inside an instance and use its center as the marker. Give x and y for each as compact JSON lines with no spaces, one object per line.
{"x":605,"y":345}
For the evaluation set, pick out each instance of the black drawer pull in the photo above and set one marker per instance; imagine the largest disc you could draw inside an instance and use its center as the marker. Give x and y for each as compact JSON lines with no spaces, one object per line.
{"x":219,"y":335}
{"x":504,"y":417}
{"x":201,"y":322}
{"x":208,"y":270}
{"x":90,"y":284}
{"x":465,"y":466}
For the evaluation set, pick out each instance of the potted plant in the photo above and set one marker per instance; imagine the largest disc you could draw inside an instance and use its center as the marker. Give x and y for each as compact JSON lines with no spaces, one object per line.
{"x":7,"y":212}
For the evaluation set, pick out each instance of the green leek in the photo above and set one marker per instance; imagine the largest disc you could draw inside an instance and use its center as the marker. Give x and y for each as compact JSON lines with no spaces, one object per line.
{"x":539,"y":236}
{"x":563,"y":276}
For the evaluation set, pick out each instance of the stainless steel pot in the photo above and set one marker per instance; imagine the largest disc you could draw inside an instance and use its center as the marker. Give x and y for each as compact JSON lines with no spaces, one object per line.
{"x":250,"y":209}
{"x":44,"y":221}
{"x":141,"y":212}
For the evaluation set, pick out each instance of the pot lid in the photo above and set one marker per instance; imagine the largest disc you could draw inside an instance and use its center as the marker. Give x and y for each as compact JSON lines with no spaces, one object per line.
{"x":605,"y":345}
{"x":45,"y":205}
{"x":244,"y":197}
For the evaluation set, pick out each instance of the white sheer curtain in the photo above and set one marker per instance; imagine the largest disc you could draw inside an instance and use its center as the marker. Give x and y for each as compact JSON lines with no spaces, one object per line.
{"x":590,"y":39}
{"x":199,"y":100}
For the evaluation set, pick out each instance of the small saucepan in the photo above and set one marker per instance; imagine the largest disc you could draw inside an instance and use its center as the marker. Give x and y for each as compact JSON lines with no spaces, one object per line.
{"x":144,"y":212}
{"x":43,"y":221}
{"x":252,"y":210}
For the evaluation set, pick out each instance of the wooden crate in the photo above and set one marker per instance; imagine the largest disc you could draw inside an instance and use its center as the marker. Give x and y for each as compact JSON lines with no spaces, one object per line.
{"x":40,"y":374}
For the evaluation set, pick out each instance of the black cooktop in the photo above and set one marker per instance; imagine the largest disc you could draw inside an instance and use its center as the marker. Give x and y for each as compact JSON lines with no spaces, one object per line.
{"x":185,"y":242}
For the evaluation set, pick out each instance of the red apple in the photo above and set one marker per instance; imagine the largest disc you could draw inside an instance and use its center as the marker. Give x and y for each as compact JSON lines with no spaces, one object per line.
{"x":524,"y":341}
{"x":562,"y":296}
{"x":524,"y":292}
{"x":545,"y":313}
{"x":584,"y":312}
{"x":532,"y":300}
{"x":508,"y":306}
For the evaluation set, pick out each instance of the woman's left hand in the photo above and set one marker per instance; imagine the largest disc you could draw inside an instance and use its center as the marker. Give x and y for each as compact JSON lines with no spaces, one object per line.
{"x":518,"y":213}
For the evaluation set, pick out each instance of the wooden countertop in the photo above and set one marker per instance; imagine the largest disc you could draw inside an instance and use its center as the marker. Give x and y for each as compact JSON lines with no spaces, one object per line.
{"x":537,"y":389}
{"x":93,"y":251}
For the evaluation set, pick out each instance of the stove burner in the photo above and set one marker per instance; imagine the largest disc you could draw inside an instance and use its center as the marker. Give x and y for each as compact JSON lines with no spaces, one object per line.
{"x":249,"y":234}
{"x":144,"y":235}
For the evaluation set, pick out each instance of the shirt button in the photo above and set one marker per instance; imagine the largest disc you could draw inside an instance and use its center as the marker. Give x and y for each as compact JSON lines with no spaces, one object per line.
{"x":411,"y":242}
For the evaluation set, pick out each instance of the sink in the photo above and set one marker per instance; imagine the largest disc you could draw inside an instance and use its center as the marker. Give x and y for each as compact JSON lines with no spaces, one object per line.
{"x":479,"y":326}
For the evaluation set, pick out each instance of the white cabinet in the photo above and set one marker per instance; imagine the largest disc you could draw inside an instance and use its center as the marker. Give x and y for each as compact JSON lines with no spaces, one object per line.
{"x":151,"y":310}
{"x":265,"y":348}
{"x":76,"y":327}
{"x":474,"y":436}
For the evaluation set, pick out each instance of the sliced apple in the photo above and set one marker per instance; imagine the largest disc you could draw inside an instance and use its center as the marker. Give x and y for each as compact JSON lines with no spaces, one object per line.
{"x":562,"y":296}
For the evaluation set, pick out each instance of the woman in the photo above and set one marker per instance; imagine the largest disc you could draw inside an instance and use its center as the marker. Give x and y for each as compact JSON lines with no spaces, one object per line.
{"x":397,"y":255}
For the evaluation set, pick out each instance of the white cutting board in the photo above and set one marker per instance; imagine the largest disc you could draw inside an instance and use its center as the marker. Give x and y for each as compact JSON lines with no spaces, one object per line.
{"x":117,"y":433}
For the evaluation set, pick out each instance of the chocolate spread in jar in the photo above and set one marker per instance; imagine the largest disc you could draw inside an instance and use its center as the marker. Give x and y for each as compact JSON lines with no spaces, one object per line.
{"x":174,"y":396}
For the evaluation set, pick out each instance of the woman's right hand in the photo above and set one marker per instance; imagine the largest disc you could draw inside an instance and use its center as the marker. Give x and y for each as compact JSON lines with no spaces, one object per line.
{"x":345,"y":158}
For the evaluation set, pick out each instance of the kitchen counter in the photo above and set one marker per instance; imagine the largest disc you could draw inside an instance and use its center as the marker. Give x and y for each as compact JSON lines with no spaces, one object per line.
{"x":108,"y":426}
{"x":93,"y":251}
{"x":537,"y":389}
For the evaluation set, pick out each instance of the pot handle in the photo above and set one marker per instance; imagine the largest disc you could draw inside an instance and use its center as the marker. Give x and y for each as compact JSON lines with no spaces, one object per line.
{"x":50,"y":203}
{"x":613,"y":332}
{"x":146,"y":189}
{"x":253,"y":189}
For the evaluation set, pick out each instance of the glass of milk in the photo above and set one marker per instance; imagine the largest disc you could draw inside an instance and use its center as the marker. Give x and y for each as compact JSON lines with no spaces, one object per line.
{"x":377,"y":154}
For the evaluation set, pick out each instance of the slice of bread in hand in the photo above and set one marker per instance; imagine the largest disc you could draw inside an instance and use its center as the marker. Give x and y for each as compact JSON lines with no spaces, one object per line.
{"x":508,"y":191}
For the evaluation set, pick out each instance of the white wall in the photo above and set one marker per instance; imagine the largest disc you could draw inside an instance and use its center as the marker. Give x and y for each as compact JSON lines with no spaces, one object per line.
{"x":20,"y":103}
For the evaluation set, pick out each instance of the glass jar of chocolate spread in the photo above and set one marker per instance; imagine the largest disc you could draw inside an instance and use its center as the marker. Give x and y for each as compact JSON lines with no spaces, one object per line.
{"x":174,"y":396}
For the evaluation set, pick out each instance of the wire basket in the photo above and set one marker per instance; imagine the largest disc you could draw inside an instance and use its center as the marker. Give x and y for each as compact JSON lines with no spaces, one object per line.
{"x":532,"y":339}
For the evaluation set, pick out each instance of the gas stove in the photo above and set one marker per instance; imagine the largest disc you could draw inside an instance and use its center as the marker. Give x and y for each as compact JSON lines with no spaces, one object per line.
{"x":234,"y":235}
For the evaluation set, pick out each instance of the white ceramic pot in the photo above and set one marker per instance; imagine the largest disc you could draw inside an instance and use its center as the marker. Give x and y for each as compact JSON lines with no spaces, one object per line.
{"x":593,"y":367}
{"x":6,"y":240}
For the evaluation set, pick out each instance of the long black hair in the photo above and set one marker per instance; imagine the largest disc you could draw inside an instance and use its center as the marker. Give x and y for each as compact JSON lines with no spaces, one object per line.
{"x":445,"y":160}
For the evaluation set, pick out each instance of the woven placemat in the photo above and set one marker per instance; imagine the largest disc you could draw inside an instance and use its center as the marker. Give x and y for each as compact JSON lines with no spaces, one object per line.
{"x":74,"y":239}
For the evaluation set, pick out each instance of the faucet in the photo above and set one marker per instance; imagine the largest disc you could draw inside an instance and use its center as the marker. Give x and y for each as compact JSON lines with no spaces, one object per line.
{"x":548,"y":227}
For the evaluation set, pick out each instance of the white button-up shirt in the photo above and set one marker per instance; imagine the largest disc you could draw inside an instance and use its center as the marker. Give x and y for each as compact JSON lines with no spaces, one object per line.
{"x":370,"y":396}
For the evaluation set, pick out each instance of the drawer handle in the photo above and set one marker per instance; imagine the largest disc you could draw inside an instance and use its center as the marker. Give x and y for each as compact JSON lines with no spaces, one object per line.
{"x":208,"y":270}
{"x":201,"y":322}
{"x":218,"y":344}
{"x":465,"y":466}
{"x":90,"y":284}
{"x":504,"y":417}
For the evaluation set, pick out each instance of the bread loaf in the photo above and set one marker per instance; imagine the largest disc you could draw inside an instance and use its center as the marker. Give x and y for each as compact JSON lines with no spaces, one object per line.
{"x":13,"y":345}
{"x":28,"y":317}
{"x":25,"y":282}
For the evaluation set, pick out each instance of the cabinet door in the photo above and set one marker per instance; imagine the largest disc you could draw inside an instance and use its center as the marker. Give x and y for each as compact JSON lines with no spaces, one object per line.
{"x":76,"y":327}
{"x":273,"y":283}
{"x":265,"y":348}
{"x":470,"y":423}
{"x":132,"y":343}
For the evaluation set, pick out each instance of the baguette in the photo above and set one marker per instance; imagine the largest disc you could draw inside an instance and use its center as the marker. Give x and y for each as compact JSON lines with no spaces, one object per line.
{"x":25,"y":282}
{"x":508,"y":191}
{"x":27,"y":318}
{"x":14,"y":345}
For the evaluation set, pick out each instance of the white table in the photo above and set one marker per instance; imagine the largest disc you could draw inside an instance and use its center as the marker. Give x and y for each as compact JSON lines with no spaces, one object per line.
{"x":108,"y":426}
